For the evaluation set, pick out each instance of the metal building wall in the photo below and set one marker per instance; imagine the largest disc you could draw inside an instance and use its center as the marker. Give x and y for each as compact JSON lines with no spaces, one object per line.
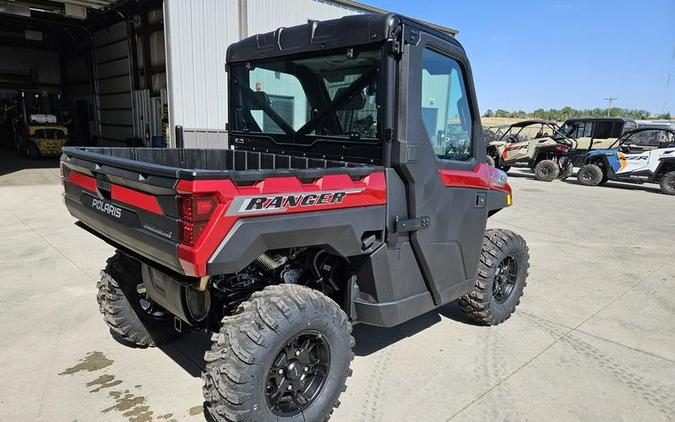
{"x":197,"y":35}
{"x":113,"y":78}
{"x":268,"y":15}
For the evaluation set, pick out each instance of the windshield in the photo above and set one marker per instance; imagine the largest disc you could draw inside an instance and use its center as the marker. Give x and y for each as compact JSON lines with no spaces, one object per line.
{"x":301,"y":99}
{"x":532,"y":131}
{"x":49,"y":134}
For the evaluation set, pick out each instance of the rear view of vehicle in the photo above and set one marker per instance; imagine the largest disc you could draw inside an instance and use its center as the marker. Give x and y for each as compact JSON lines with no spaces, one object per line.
{"x":639,"y":156}
{"x":355,"y":190}
{"x":537,"y":144}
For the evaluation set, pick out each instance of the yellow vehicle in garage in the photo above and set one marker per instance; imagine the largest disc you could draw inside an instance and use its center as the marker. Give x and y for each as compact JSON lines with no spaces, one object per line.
{"x":37,"y":130}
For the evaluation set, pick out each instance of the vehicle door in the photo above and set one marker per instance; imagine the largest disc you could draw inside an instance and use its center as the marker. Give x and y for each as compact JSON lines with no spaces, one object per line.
{"x":634,"y":155}
{"x":445,"y":183}
{"x":582,"y":131}
{"x":519,"y":145}
{"x":605,"y":133}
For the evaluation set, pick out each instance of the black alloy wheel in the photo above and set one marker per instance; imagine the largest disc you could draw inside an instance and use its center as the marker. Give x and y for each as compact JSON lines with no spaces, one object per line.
{"x":505,"y":279}
{"x":298,"y":374}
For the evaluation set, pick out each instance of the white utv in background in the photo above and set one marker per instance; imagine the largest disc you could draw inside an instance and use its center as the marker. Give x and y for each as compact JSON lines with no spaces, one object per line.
{"x":640,"y":155}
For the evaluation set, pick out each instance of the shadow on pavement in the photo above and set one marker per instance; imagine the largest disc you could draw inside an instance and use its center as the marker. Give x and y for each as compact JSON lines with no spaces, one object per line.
{"x":188,"y":351}
{"x":371,"y":339}
{"x":11,"y":162}
{"x":648,"y":187}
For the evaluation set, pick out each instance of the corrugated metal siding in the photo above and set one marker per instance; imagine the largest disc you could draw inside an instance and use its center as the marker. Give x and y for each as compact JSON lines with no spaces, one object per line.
{"x":197,"y":35}
{"x":114,"y":84}
{"x":268,"y":15}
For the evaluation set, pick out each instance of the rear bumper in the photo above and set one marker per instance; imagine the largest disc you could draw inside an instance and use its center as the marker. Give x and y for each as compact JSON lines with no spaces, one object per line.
{"x":134,"y":238}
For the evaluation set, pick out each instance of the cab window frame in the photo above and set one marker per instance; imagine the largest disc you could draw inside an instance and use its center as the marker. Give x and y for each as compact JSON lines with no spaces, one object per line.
{"x":456,"y":54}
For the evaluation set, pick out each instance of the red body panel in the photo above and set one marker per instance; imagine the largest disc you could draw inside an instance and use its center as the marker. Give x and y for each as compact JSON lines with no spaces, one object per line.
{"x":483,"y":176}
{"x":118,"y":193}
{"x":83,"y":181}
{"x":369,"y":191}
{"x":135,"y":198}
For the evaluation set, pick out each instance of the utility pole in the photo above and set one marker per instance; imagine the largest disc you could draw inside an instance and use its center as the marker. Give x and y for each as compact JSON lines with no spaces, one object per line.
{"x":609,"y":106}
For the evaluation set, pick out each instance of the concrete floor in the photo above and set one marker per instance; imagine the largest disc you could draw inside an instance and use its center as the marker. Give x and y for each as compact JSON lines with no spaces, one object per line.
{"x":593,"y":339}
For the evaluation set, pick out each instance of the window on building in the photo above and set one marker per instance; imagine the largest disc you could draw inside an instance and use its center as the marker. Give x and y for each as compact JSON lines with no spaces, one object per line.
{"x":445,"y":107}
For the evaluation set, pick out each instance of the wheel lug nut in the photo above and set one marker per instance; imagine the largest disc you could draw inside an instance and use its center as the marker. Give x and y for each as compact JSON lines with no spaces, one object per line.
{"x":306,"y":369}
{"x":281,"y":371}
{"x":290,"y":387}
{"x":297,"y":353}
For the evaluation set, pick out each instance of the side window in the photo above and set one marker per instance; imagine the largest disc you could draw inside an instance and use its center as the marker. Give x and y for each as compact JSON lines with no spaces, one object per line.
{"x":603,"y":129}
{"x":581,"y":130}
{"x":445,"y":107}
{"x":587,"y":130}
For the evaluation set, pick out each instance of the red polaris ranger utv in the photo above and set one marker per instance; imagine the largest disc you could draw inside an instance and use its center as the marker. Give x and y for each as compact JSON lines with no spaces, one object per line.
{"x":356,"y":190}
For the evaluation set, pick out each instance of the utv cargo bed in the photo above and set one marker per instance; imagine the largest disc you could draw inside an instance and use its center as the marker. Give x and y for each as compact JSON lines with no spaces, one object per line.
{"x":137,"y":198}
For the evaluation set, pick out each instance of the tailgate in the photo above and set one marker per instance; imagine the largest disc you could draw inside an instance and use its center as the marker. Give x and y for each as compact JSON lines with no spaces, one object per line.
{"x":127,"y":207}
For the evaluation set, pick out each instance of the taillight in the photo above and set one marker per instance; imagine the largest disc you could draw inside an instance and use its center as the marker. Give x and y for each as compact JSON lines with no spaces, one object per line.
{"x":197,"y":208}
{"x":189,"y":232}
{"x":561,"y":148}
{"x":195,"y":212}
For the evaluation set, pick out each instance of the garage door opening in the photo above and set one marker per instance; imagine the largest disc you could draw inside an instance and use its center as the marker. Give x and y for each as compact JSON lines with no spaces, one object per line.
{"x":80,"y":73}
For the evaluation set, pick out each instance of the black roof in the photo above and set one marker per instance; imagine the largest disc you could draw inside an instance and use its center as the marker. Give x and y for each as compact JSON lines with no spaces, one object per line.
{"x":529,"y":122}
{"x":622,"y":119}
{"x":349,"y":31}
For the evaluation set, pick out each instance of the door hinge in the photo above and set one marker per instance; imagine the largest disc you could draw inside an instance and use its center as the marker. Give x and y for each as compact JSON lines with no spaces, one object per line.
{"x":411,"y":224}
{"x":394,"y":44}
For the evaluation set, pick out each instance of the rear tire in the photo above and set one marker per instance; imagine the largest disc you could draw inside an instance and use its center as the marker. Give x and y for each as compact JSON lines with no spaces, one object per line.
{"x":264,"y":348}
{"x":501,"y":278}
{"x":546,"y":170}
{"x":590,"y":175}
{"x":120,"y":304}
{"x":668,"y":183}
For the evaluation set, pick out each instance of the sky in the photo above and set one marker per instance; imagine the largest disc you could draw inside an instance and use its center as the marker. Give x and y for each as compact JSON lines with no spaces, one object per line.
{"x":550,"y":54}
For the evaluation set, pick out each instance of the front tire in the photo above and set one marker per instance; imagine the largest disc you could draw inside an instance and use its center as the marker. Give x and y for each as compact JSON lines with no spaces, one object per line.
{"x":490,"y":161}
{"x":283,"y":356}
{"x":501,"y":278}
{"x":121,"y":305}
{"x":668,"y":183}
{"x":546,"y":170}
{"x":590,"y":175}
